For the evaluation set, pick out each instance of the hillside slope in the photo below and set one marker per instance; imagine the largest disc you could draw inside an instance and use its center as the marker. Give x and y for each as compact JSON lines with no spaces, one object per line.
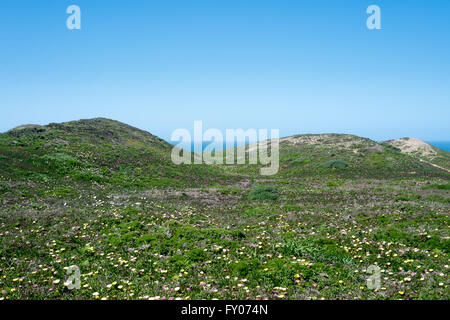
{"x":423,"y":151}
{"x":345,"y":156}
{"x":60,"y":158}
{"x":105,"y":197}
{"x":359,"y":157}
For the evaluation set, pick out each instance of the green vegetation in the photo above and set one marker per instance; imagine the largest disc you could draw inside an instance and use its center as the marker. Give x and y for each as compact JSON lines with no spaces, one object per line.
{"x":438,"y":186}
{"x":106,"y":197}
{"x":338,"y":164}
{"x":264,"y":193}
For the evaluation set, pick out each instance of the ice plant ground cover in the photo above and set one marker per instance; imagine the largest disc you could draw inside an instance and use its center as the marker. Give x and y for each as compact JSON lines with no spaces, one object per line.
{"x":105,"y":197}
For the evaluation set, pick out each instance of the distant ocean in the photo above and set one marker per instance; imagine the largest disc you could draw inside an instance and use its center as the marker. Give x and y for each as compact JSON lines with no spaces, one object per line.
{"x":444,"y":145}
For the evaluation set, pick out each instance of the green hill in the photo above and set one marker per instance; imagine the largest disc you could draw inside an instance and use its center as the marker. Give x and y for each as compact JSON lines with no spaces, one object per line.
{"x":60,"y":158}
{"x":308,"y":155}
{"x":423,"y":151}
{"x":106,"y":197}
{"x":318,"y":156}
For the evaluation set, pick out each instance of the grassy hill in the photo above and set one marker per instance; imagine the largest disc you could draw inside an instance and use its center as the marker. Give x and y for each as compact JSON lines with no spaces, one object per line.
{"x":106,"y":197}
{"x":423,"y":151}
{"x":315,"y":155}
{"x":309,"y":154}
{"x":64,"y":158}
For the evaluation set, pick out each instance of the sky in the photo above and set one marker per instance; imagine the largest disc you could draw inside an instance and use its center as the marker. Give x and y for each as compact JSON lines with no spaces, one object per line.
{"x":297,"y":66}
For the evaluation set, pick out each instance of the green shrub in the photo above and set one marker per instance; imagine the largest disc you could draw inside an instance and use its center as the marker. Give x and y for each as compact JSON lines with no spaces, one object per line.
{"x":147,"y":238}
{"x":290,"y":207}
{"x":402,"y":198}
{"x":228,"y":190}
{"x":300,"y":161}
{"x":438,"y":186}
{"x":197,"y":255}
{"x":339,"y":164}
{"x":244,"y":268}
{"x":61,"y":158}
{"x":179,"y":262}
{"x":334,"y":183}
{"x":60,"y":162}
{"x":86,"y":175}
{"x":437,"y":198}
{"x":3,"y":188}
{"x":322,"y":250}
{"x":264,"y":193}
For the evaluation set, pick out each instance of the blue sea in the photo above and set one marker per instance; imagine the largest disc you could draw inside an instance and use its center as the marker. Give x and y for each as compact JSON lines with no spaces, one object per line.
{"x":444,"y":145}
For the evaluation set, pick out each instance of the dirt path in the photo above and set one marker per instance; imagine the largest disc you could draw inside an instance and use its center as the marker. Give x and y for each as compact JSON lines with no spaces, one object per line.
{"x":435,"y":165}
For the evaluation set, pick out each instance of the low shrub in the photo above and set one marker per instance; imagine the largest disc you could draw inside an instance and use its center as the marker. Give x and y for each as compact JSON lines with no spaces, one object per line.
{"x":264,"y":193}
{"x":338,"y":164}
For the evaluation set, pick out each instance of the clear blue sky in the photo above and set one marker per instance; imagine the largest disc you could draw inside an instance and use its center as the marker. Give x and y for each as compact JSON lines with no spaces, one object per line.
{"x":300,"y":66}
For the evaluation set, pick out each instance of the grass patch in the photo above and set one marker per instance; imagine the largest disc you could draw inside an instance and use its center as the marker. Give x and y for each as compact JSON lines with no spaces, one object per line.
{"x":335,"y":164}
{"x":264,"y":193}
